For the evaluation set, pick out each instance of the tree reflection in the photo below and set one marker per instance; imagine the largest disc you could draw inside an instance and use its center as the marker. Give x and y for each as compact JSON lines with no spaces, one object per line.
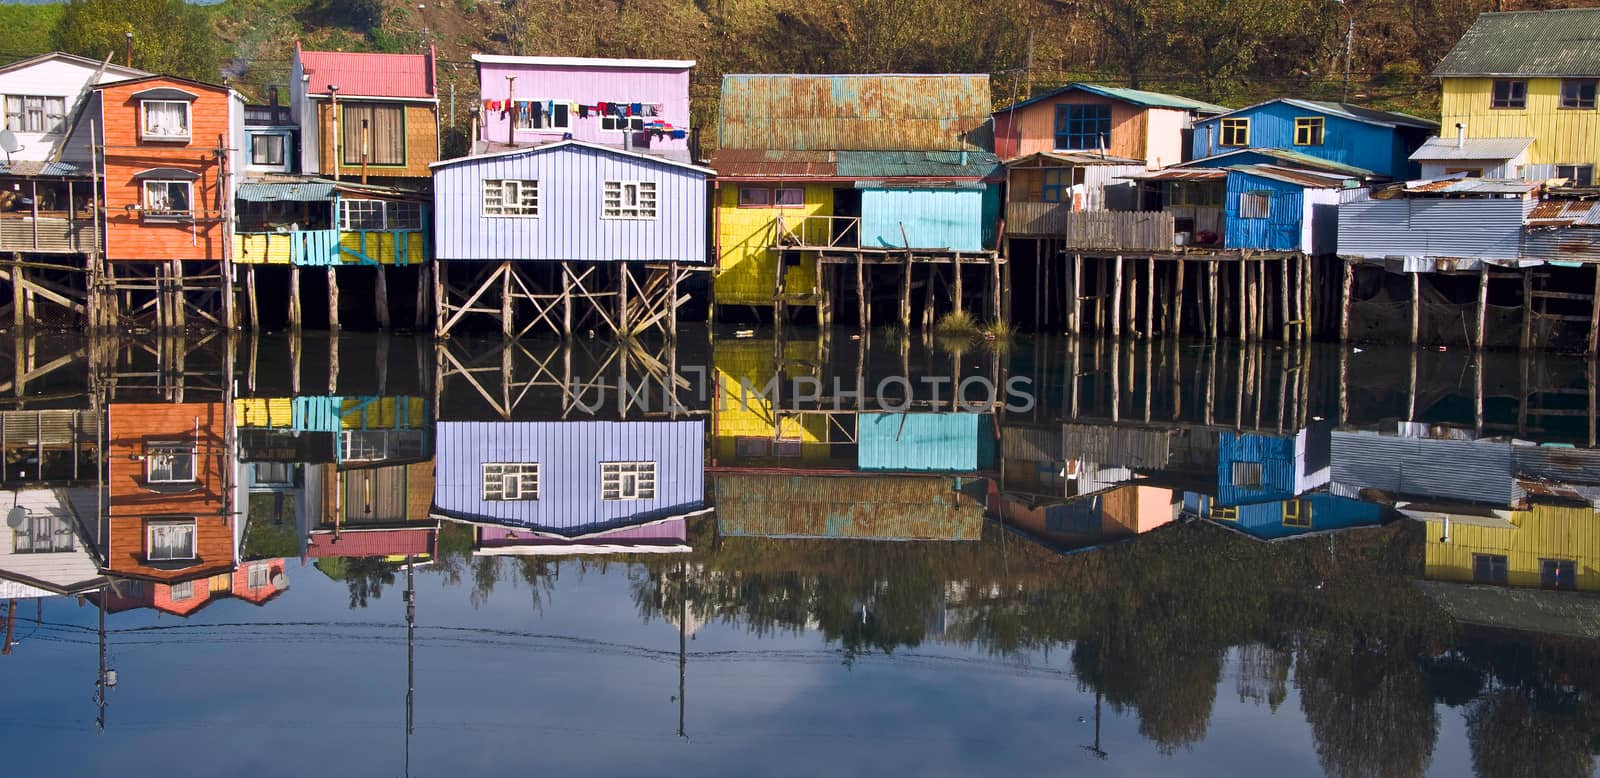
{"x":1516,"y":734}
{"x":1370,"y":711}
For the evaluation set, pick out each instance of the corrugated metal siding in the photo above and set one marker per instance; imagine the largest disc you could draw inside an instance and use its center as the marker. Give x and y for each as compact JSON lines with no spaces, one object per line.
{"x":1030,"y":444}
{"x":1562,"y":135}
{"x":1555,"y":463}
{"x":1119,"y":446}
{"x":1544,"y":532}
{"x":855,"y":112}
{"x":1345,"y":141}
{"x":569,"y":456}
{"x":932,"y":218}
{"x":1480,"y":228}
{"x":1276,"y":455}
{"x":1461,"y":470}
{"x":943,"y":442}
{"x":1280,"y":231}
{"x":570,"y":225}
{"x":1564,"y":243}
{"x":666,"y":87}
{"x":877,"y":508}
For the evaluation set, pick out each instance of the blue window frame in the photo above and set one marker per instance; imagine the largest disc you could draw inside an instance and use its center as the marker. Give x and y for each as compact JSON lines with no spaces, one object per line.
{"x":1057,"y":183}
{"x":1083,"y":127}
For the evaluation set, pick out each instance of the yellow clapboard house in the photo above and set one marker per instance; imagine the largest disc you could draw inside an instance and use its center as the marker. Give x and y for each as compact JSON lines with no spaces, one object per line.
{"x":749,"y":216}
{"x":1522,"y":76}
{"x":748,"y":429}
{"x":1548,"y":545}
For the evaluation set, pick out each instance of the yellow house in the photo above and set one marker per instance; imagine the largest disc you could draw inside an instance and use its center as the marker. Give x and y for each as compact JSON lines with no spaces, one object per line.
{"x":1550,"y":546}
{"x":1524,"y":75}
{"x":748,"y":429}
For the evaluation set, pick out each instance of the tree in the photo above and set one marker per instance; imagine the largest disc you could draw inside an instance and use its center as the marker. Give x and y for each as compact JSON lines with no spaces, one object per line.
{"x":169,"y":36}
{"x":1133,"y":34}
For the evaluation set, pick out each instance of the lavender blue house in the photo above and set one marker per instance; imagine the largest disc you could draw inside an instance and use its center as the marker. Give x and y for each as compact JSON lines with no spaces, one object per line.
{"x":640,"y":104}
{"x":567,"y":235}
{"x":570,"y":480}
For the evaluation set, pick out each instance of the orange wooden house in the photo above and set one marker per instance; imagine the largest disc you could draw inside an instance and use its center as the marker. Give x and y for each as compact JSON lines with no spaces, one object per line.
{"x":170,"y":516}
{"x":168,"y":149}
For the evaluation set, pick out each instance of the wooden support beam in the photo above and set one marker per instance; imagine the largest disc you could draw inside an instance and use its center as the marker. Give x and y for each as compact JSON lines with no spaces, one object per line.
{"x":422,"y":314}
{"x":1116,"y":299}
{"x":507,"y":302}
{"x":441,"y":301}
{"x":861,"y":293}
{"x":178,"y":301}
{"x":1244,"y":301}
{"x":996,"y":307}
{"x":333,"y":299}
{"x":624,"y":305}
{"x":1211,"y":292}
{"x":566,"y":298}
{"x":1149,"y":300}
{"x":1075,"y":322}
{"x":955,"y":267}
{"x":380,"y":296}
{"x":672,"y":301}
{"x":1347,"y":298}
{"x":1283,"y":300}
{"x":1416,"y":308}
{"x":252,"y":298}
{"x":1308,"y":315}
{"x":1594,"y":316}
{"x":1177,"y":299}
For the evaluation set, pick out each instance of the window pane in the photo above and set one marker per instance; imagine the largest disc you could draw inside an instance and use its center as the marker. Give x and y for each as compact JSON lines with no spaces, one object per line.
{"x":379,"y":130}
{"x":171,"y":541}
{"x":166,"y":119}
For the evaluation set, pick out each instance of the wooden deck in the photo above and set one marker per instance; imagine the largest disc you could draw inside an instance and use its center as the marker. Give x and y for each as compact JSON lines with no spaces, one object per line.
{"x":48,"y":233}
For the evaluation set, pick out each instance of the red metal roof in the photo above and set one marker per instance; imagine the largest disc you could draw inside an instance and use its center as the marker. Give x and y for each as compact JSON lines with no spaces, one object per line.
{"x":369,"y":75}
{"x":386,"y":542}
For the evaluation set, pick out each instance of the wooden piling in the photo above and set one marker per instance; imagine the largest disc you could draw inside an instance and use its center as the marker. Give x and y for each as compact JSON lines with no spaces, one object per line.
{"x":1527,"y":309}
{"x":1483,"y":302}
{"x":1177,"y":300}
{"x":380,"y":297}
{"x":1211,"y":291}
{"x":955,"y":267}
{"x":624,"y":309}
{"x":1307,"y":313}
{"x":672,"y":306}
{"x":1244,"y":302}
{"x":1594,"y":315}
{"x":927,"y":298}
{"x":905,"y":293}
{"x":1075,"y":324}
{"x":251,"y":298}
{"x":506,"y":309}
{"x":1346,"y":292}
{"x":177,"y":314}
{"x":861,"y":292}
{"x":333,"y":300}
{"x":1416,"y":308}
{"x":295,"y":317}
{"x":422,"y":314}
{"x":1116,"y":299}
{"x":997,"y":311}
{"x":1283,"y":300}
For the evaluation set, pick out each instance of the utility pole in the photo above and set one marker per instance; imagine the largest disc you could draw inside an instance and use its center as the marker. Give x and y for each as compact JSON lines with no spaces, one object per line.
{"x":1349,"y":40}
{"x":128,"y":58}
{"x":411,"y":636}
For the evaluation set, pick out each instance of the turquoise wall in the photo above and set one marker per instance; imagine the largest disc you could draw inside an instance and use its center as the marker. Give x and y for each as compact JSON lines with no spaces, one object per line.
{"x":952,"y":219}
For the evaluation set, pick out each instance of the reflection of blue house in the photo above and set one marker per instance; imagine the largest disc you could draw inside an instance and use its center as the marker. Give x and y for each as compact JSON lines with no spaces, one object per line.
{"x":1379,"y":141}
{"x":1256,"y":467}
{"x":925,"y":442}
{"x":1282,"y":519}
{"x":569,"y":478}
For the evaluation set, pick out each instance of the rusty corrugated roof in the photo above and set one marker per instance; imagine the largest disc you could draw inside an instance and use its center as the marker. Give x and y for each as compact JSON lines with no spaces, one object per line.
{"x":1565,"y":213}
{"x":846,"y":506}
{"x":855,"y":112}
{"x":769,"y":163}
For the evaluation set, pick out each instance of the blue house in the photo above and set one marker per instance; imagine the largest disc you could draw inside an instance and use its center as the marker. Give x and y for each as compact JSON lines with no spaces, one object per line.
{"x":1254,"y":467}
{"x":1275,"y":208}
{"x":569,"y":479}
{"x":569,"y":231}
{"x":1284,"y":519}
{"x":1379,"y":141}
{"x":925,"y":442}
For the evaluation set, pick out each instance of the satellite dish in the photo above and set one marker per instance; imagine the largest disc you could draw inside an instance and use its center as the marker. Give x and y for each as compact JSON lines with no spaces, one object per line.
{"x":8,"y":143}
{"x":17,"y":517}
{"x":279,"y":581}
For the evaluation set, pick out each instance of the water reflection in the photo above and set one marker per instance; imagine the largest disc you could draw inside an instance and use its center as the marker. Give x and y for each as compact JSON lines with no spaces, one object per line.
{"x":1388,"y":550}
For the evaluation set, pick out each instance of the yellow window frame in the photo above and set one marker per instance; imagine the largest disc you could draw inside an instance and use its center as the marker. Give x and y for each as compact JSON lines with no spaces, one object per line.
{"x":1297,"y":513}
{"x":1225,"y":514}
{"x":1235,"y":132}
{"x":1310,"y":130}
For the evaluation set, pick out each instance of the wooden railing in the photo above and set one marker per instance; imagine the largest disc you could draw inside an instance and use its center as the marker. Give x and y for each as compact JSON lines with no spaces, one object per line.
{"x":1032,"y":219}
{"x":1092,"y":230}
{"x":47,"y":234}
{"x":817,"y":232}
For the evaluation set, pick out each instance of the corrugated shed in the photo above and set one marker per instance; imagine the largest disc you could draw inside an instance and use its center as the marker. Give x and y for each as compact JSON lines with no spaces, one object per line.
{"x":855,"y":112}
{"x":926,"y":218}
{"x":1475,"y":228}
{"x":1441,"y":149}
{"x":1268,"y":460}
{"x":1528,"y":43}
{"x":928,"y":442}
{"x":569,"y":455}
{"x":1282,"y":227}
{"x":1557,"y":464}
{"x":363,"y":74}
{"x":1116,"y":446}
{"x":571,"y":224}
{"x":1563,"y":244}
{"x":845,"y":507}
{"x":1475,"y":471}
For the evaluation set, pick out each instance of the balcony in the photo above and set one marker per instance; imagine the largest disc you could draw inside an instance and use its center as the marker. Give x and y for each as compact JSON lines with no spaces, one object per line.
{"x":1092,"y":230}
{"x":54,"y":234}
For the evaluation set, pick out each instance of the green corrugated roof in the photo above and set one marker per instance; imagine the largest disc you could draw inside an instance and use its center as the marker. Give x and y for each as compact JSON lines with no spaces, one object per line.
{"x":1135,"y":96}
{"x":298,"y":191}
{"x":916,"y":164}
{"x":1528,"y":43}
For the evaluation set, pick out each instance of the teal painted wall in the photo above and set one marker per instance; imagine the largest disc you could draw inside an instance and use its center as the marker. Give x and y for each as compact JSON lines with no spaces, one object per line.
{"x":925,"y":442}
{"x":952,"y":219}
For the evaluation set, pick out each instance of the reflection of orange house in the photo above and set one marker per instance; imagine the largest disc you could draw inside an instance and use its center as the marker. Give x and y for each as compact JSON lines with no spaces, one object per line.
{"x":170,"y":516}
{"x":168,"y":183}
{"x":1089,"y":520}
{"x":254,"y":582}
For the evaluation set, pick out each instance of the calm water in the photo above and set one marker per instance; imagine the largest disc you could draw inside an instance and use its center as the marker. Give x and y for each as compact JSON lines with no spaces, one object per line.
{"x":339,"y":558}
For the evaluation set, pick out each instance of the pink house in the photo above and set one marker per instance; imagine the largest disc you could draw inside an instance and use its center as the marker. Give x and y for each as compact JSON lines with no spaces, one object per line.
{"x":640,"y":104}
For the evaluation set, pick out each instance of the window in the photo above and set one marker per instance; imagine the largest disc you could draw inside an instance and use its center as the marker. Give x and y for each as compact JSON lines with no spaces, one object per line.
{"x":1083,"y":127}
{"x":611,"y":122}
{"x":1235,"y":132}
{"x":43,"y":534}
{"x":1558,"y":574}
{"x":165,"y":119}
{"x":1191,"y":193}
{"x":1297,"y":513}
{"x":379,"y":215}
{"x":1246,"y":473}
{"x":511,"y":481}
{"x":1469,"y":172}
{"x":630,"y":200}
{"x":32,"y":113}
{"x":169,"y":463}
{"x":260,"y":576}
{"x":1579,"y":175}
{"x":1057,"y":186}
{"x":273,"y":473}
{"x":1578,"y":92}
{"x":170,"y":540}
{"x":266,"y":150}
{"x":560,"y":116}
{"x":182,"y":591}
{"x":1255,"y":205}
{"x":1509,"y":94}
{"x":789,"y":198}
{"x":377,"y":130}
{"x":1489,"y":568}
{"x":168,"y":197}
{"x":1225,"y":514}
{"x":1308,"y":130}
{"x":752,"y":446}
{"x":627,"y":480}
{"x":754,"y":197}
{"x":510,"y":197}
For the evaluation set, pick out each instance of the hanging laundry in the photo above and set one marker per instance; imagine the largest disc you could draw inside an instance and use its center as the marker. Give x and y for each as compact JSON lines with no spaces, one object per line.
{"x":583,"y":112}
{"x":679,"y":134}
{"x":635,"y":109}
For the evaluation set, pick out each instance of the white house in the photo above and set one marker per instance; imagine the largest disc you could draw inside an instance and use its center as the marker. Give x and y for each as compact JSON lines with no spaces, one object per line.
{"x":40,"y":96}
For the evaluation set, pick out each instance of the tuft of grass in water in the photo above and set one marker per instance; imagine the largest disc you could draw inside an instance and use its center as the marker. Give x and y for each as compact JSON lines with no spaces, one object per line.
{"x":999,"y":329}
{"x":957,"y":323}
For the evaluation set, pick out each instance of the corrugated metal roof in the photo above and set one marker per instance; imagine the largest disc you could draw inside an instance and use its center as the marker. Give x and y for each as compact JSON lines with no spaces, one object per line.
{"x":770,"y":163}
{"x":369,"y":74}
{"x":1135,"y":96}
{"x":845,"y":506}
{"x":1305,"y":178}
{"x":1477,"y":471}
{"x":1287,"y":156}
{"x":855,"y":112}
{"x":1183,"y":174}
{"x":1438,"y":149}
{"x":1072,"y":158}
{"x":1528,"y":43}
{"x":29,"y":167}
{"x":298,"y":192}
{"x":1363,"y":114}
{"x":1119,"y":446}
{"x":1565,"y":213}
{"x":1477,"y":186}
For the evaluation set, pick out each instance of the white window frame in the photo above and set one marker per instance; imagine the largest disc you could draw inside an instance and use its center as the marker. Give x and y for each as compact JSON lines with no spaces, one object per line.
{"x":18,"y":109}
{"x":392,"y":215}
{"x":181,"y":592}
{"x":615,"y":484}
{"x":144,"y":191}
{"x":150,"y":536}
{"x":615,"y":200}
{"x":144,"y":121}
{"x":520,"y":480}
{"x":155,"y":450}
{"x":1263,"y":204}
{"x":610,"y":122}
{"x":521,"y":193}
{"x":259,"y":576}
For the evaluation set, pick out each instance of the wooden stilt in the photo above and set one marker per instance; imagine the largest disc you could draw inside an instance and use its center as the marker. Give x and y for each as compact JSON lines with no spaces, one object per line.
{"x":1594,"y":315}
{"x":1483,"y":302}
{"x":333,"y":362}
{"x":422,"y":314}
{"x":1102,"y":280}
{"x":955,"y":269}
{"x":1416,"y":308}
{"x":1177,"y":299}
{"x":1040,"y":248}
{"x":996,"y":313}
{"x":566,"y":298}
{"x":1308,"y":316}
{"x":441,"y":301}
{"x":507,"y":310}
{"x":1131,"y":305}
{"x":380,"y":297}
{"x":672,"y":303}
{"x":18,"y":307}
{"x":1149,"y":300}
{"x":1283,"y":300}
{"x":1075,"y":324}
{"x":625,"y":302}
{"x":1244,"y":301}
{"x":1527,"y":309}
{"x":861,"y":292}
{"x":927,"y":298}
{"x":905,"y":292}
{"x":295,"y":318}
{"x":1347,"y":298}
{"x":252,"y":298}
{"x":1211,"y":292}
{"x":333,"y":299}
{"x":176,"y":304}
{"x":1116,"y":299}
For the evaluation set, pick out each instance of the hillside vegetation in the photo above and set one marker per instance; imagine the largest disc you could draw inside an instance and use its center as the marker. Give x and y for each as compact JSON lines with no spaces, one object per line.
{"x":1228,"y":51}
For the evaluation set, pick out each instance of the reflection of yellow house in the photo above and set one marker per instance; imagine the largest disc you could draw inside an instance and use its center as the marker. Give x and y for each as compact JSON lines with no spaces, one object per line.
{"x":1554,"y":546}
{"x":746,"y":262}
{"x":747,"y":428}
